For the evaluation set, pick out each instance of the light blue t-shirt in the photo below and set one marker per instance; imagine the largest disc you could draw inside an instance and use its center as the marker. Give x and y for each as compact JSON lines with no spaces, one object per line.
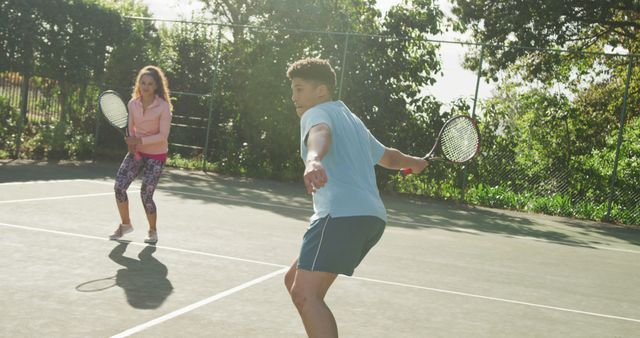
{"x":351,"y":189}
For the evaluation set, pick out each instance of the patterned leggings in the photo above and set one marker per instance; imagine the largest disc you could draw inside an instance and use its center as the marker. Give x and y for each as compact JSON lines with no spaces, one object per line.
{"x":129,"y":170}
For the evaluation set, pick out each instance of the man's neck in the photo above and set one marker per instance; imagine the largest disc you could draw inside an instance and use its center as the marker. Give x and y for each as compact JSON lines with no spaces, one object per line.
{"x":324,"y":101}
{"x":317,"y":103}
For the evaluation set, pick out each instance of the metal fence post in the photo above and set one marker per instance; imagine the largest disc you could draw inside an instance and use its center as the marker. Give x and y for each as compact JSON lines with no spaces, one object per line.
{"x":22,"y":119}
{"x":473,"y":115}
{"x":97,"y":134}
{"x":614,"y":173}
{"x":344,"y":65}
{"x":213,"y":88}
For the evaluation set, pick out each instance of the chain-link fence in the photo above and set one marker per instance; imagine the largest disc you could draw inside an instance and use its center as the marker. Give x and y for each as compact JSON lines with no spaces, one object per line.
{"x":536,"y":153}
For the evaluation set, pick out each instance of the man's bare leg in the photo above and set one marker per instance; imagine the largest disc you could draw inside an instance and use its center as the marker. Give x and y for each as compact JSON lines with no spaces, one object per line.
{"x":307,"y":292}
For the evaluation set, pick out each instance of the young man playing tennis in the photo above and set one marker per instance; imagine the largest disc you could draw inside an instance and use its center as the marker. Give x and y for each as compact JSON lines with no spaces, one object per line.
{"x":349,"y":218}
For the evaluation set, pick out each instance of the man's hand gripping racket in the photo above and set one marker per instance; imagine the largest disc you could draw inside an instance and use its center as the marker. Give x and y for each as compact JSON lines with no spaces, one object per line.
{"x":457,"y":142}
{"x":115,"y":111}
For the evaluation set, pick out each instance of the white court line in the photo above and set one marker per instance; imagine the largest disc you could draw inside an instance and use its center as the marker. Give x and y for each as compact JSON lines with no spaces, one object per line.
{"x":284,"y":206}
{"x":499,"y":299}
{"x":216,"y":197}
{"x":56,"y":197}
{"x":196,"y":305}
{"x":96,"y":181}
{"x":395,"y":220}
{"x":59,"y":197}
{"x":391,"y":218}
{"x":43,"y":181}
{"x":110,"y":182}
{"x":550,"y":241}
{"x":219,"y":197}
{"x":284,"y":267}
{"x":141,"y":244}
{"x":588,"y":246}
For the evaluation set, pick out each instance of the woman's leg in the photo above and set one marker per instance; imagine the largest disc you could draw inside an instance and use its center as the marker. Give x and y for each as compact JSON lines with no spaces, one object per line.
{"x":151,"y":177}
{"x":129,"y":169}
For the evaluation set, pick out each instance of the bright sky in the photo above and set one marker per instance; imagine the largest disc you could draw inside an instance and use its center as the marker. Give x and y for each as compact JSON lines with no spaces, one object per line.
{"x":456,"y":81}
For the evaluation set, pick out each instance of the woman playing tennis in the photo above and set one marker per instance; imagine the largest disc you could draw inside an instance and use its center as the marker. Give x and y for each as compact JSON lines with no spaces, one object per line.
{"x":149,"y":124}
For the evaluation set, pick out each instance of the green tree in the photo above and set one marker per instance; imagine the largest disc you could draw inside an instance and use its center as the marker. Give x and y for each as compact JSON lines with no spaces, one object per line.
{"x":68,"y":41}
{"x":382,"y":76}
{"x":136,"y":43}
{"x":575,"y":24}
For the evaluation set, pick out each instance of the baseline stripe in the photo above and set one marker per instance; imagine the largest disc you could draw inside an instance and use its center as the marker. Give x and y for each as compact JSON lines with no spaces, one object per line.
{"x":143,"y":245}
{"x":199,"y":304}
{"x":285,"y":268}
{"x":498,"y":299}
{"x":44,"y":181}
{"x":59,"y":197}
{"x":391,"y":218}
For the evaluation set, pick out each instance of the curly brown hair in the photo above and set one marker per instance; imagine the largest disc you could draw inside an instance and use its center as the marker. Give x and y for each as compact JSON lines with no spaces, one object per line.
{"x":161,"y":80}
{"x":315,"y":70}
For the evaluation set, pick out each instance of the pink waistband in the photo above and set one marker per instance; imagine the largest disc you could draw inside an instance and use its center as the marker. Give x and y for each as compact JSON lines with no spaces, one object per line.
{"x":159,"y":157}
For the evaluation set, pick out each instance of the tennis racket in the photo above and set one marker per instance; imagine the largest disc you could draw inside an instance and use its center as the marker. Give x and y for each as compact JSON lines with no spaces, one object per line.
{"x":457,"y":142}
{"x":115,"y":111}
{"x":97,"y":284}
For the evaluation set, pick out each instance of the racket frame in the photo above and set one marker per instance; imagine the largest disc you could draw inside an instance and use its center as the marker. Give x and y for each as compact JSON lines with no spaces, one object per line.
{"x":430,"y":156}
{"x":124,"y":132}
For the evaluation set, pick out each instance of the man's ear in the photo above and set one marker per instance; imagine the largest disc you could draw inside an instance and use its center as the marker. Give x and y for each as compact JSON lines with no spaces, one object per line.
{"x":322,"y":90}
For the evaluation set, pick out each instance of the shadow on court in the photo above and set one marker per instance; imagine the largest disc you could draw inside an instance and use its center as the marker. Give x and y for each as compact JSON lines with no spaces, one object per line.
{"x":458,"y":267}
{"x":27,"y":170}
{"x":630,"y":234}
{"x":290,"y":200}
{"x":449,"y":216}
{"x":144,"y":281}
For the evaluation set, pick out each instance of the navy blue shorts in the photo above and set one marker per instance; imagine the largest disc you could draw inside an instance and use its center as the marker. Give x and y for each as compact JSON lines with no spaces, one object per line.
{"x":339,"y":244}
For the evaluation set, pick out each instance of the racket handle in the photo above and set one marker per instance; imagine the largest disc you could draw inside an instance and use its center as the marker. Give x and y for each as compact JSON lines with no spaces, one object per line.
{"x":136,"y":155}
{"x":406,"y":171}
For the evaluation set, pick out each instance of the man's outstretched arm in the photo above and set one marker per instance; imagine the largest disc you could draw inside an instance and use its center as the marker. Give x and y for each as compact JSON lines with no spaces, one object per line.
{"x":318,"y":144}
{"x":395,"y":159}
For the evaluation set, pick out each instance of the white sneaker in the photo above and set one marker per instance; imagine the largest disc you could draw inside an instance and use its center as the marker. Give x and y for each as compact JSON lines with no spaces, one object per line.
{"x":152,"y":238}
{"x":121,"y":231}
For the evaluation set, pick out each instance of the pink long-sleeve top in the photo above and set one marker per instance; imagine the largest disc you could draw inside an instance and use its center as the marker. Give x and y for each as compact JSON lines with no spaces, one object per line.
{"x":151,"y":124}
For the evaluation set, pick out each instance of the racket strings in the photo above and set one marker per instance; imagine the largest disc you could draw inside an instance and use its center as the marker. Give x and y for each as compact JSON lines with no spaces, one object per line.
{"x":459,"y":140}
{"x":114,"y":110}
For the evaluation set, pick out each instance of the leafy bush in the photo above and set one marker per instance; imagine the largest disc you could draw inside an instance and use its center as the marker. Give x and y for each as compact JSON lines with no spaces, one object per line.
{"x":497,"y":197}
{"x":8,"y":128}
